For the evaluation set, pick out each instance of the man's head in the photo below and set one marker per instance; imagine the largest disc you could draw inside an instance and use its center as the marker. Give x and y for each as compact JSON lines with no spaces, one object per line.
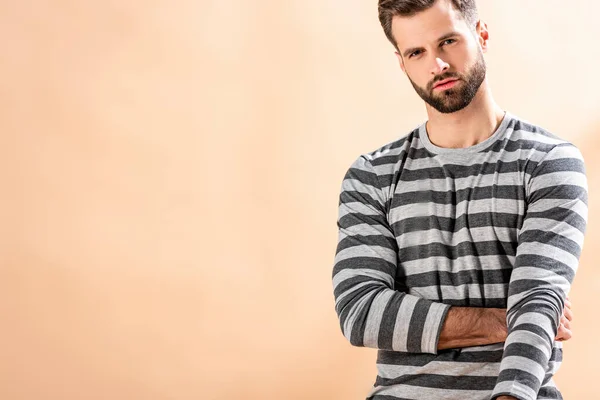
{"x":436,"y":41}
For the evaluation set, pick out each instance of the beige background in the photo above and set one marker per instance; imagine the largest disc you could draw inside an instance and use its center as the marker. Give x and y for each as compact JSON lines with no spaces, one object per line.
{"x":170,"y":174}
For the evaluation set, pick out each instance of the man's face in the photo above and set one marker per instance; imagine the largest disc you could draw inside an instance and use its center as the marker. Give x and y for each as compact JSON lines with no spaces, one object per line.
{"x":437,"y":45}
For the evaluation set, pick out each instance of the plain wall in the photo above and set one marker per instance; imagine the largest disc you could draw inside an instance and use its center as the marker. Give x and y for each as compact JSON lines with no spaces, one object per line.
{"x":170,"y":180}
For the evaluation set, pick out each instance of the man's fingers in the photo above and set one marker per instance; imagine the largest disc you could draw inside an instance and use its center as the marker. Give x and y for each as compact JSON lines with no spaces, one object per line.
{"x":568,"y":313}
{"x":564,"y":330}
{"x":563,"y":334}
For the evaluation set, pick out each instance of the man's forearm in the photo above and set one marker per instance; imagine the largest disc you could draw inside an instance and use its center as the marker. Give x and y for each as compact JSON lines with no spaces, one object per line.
{"x":472,"y":326}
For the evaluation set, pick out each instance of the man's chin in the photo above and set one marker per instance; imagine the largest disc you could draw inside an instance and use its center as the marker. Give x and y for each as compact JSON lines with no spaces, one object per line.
{"x":448,"y":108}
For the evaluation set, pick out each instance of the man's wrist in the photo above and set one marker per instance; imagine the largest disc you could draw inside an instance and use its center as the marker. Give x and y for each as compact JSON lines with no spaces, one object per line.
{"x":473,"y":326}
{"x":493,"y":322}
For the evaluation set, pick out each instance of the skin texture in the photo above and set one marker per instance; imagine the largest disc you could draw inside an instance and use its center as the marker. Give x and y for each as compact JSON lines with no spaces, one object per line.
{"x":470,"y":326}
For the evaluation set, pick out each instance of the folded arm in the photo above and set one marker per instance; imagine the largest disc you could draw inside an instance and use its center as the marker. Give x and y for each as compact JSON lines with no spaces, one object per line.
{"x":550,"y":244}
{"x":370,"y":311}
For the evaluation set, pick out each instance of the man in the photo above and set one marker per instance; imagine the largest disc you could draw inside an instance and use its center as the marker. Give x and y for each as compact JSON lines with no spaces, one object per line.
{"x":458,"y":242}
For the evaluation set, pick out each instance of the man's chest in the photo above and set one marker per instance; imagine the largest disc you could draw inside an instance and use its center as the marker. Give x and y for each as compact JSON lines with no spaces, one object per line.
{"x":457,"y":231}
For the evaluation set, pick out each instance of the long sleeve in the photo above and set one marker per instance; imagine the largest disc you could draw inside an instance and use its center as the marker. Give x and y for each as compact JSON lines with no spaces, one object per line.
{"x":549,"y":246}
{"x":370,"y":311}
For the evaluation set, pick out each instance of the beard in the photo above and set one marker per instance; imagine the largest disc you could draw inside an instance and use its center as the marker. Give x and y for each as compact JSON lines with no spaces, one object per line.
{"x":459,"y":96}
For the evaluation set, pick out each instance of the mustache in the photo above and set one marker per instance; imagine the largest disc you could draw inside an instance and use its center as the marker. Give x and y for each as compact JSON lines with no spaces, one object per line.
{"x":439,"y":78}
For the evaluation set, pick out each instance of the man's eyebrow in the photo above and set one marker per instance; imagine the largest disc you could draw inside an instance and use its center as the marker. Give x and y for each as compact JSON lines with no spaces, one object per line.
{"x":441,"y":38}
{"x":409,"y":51}
{"x":447,"y":36}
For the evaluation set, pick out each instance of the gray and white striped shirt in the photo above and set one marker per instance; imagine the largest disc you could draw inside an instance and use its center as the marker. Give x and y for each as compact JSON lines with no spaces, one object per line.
{"x":422,"y":228}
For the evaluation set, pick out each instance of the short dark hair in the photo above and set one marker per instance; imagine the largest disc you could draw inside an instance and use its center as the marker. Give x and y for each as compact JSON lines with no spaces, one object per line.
{"x":388,"y":9}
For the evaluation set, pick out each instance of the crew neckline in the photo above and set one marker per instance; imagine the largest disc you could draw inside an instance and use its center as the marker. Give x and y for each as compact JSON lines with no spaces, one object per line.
{"x":464,"y":150}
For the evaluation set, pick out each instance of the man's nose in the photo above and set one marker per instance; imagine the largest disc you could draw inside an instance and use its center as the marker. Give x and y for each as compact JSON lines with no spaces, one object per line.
{"x":439,"y":66}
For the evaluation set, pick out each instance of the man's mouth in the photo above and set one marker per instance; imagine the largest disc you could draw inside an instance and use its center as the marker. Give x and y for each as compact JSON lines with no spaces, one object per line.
{"x":445,"y":84}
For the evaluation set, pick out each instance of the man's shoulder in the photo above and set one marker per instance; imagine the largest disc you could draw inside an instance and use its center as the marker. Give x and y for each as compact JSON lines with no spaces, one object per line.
{"x":527,"y":131}
{"x":392,"y":151}
{"x":539,"y":142}
{"x":385,"y":161}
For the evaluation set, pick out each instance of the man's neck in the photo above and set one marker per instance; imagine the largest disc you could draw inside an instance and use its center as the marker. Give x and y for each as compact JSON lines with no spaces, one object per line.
{"x":467,"y":127}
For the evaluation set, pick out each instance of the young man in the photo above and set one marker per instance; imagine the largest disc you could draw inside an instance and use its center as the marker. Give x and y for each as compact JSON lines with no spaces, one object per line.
{"x":458,"y":242}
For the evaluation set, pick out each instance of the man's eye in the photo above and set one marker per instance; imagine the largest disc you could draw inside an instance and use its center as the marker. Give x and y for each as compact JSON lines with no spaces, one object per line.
{"x":448,"y":41}
{"x":414,"y":53}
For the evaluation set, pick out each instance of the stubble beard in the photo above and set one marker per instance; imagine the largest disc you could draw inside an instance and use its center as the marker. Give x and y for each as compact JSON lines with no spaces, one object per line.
{"x":459,"y":96}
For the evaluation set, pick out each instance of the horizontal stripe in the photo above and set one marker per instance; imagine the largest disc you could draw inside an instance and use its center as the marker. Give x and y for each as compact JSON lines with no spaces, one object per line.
{"x":469,"y":290}
{"x":454,"y":197}
{"x":438,"y":381}
{"x":479,"y":234}
{"x":456,"y":223}
{"x":440,"y":184}
{"x":400,"y":391}
{"x":390,"y":371}
{"x":412,"y":210}
{"x":464,"y":263}
{"x":491,"y":355}
{"x":457,"y":279}
{"x":460,"y":250}
{"x":366,"y":250}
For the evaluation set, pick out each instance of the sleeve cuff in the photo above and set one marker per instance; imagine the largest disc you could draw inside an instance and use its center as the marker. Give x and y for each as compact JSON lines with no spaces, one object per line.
{"x":514,"y":389}
{"x":433,"y":327}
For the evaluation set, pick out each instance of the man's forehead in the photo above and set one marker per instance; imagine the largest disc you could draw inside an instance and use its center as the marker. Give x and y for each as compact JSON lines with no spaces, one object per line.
{"x":426,"y":26}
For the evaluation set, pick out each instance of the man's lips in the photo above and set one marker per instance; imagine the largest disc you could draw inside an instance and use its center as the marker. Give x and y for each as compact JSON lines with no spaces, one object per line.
{"x":446,"y":83}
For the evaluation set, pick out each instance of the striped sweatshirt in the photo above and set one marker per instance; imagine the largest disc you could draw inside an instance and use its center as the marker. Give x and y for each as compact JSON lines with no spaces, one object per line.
{"x":422,"y":228}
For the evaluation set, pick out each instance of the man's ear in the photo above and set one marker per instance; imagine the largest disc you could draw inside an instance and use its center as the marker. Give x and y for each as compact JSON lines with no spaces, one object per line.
{"x":400,"y":61}
{"x":482,"y":35}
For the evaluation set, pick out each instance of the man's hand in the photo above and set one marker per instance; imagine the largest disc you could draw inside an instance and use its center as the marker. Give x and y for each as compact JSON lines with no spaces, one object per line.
{"x":564,"y":330}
